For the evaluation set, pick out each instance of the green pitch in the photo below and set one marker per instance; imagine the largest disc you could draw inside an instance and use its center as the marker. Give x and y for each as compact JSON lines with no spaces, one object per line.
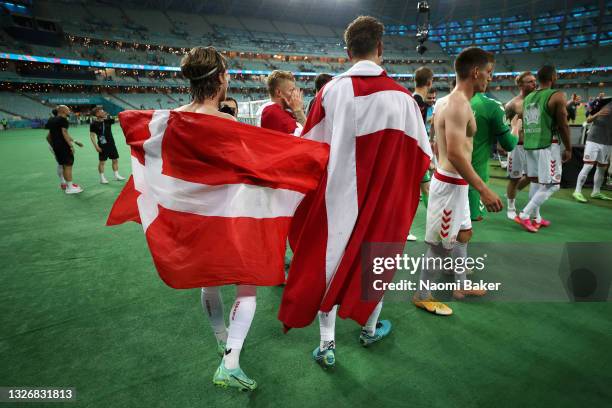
{"x":82,"y":306}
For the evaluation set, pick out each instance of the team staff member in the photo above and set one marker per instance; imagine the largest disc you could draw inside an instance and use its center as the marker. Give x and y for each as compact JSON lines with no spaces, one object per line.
{"x":62,"y":145}
{"x":102,"y":138}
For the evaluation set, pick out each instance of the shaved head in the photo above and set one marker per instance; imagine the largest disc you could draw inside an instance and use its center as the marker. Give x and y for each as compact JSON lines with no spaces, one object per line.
{"x":63,"y":110}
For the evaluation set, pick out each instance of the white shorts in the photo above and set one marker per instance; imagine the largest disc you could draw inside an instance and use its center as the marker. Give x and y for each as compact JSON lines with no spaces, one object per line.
{"x":517,"y":162}
{"x":448,"y":209}
{"x":596,"y":152}
{"x":545,"y":164}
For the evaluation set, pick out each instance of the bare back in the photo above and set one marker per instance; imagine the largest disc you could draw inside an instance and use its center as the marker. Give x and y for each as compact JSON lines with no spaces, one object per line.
{"x":515,"y":108}
{"x":455,"y":127}
{"x":204,"y":109}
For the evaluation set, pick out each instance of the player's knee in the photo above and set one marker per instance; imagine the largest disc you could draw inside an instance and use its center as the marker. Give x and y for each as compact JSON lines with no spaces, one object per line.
{"x":553,"y":188}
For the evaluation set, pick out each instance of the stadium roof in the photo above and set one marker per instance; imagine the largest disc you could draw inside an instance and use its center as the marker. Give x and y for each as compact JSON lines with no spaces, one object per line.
{"x":339,"y":12}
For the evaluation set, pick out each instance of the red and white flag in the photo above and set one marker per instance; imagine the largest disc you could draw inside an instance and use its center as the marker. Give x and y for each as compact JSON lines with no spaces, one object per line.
{"x":379,"y":152}
{"x":215,"y":197}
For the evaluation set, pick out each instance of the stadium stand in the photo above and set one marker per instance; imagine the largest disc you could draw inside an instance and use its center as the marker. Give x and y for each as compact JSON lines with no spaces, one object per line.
{"x":103,"y":33}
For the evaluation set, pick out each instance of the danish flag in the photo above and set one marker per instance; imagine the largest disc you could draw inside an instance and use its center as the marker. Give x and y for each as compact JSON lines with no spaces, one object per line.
{"x":215,"y":197}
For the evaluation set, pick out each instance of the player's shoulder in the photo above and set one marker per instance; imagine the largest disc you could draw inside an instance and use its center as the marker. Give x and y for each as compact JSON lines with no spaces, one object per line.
{"x":271,"y":110}
{"x":457,"y":102}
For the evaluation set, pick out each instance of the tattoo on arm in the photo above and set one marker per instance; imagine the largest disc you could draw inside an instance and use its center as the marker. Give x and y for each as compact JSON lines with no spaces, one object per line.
{"x":300,"y":117}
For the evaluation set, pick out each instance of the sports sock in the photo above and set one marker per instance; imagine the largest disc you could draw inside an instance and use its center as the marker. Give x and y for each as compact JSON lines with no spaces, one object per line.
{"x":539,"y":198}
{"x":582,"y":176}
{"x":512,"y":203}
{"x":327,"y":326}
{"x":241,"y":316}
{"x":213,"y":308}
{"x":370,"y":326}
{"x":533,"y":188}
{"x":60,"y":173}
{"x":428,"y":271}
{"x":600,"y":175}
{"x":460,"y":251}
{"x":536,"y":214}
{"x":530,"y":207}
{"x":116,"y":174}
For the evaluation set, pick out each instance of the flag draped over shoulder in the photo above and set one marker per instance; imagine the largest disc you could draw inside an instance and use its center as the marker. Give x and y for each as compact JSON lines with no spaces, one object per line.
{"x":379,"y":152}
{"x":215,"y":197}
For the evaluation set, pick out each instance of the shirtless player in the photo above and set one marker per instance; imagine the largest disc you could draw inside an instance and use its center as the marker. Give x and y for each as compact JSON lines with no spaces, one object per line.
{"x":517,"y":159}
{"x":448,"y":227}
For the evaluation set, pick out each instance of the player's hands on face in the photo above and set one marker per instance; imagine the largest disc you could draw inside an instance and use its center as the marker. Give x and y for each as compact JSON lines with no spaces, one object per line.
{"x":491,"y":200}
{"x":566,"y":155}
{"x":295,"y":100}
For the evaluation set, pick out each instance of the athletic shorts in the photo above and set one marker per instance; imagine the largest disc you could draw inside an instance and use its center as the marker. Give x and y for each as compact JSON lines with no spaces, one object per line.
{"x":448,"y":210}
{"x":517,"y":162}
{"x":545,"y":164}
{"x":596,"y":152}
{"x":63,"y":154}
{"x":108,"y":152}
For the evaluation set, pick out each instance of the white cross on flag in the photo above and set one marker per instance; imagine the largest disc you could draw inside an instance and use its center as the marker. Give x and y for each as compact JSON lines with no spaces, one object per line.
{"x":215,"y":197}
{"x":379,"y":152}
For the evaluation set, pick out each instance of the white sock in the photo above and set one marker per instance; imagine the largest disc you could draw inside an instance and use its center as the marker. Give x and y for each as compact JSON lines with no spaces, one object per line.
{"x":370,"y":326}
{"x":60,"y":173}
{"x":533,"y":188}
{"x":600,"y":175}
{"x":511,"y":204}
{"x":536,"y":214}
{"x":241,"y":316}
{"x":213,"y":308}
{"x":327,"y":326}
{"x":539,"y":198}
{"x":582,"y":176}
{"x":531,"y":206}
{"x":102,"y":177}
{"x":117,"y":174}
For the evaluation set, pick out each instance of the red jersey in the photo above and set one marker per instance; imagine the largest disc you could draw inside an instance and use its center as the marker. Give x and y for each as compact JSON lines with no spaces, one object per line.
{"x":275,"y":117}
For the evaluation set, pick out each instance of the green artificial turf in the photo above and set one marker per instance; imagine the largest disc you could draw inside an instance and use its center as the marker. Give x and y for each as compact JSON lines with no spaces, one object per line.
{"x":82,"y":306}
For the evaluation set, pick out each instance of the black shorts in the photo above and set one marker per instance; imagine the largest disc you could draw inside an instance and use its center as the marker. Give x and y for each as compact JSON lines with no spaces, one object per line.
{"x":108,"y":152}
{"x":63,"y":155}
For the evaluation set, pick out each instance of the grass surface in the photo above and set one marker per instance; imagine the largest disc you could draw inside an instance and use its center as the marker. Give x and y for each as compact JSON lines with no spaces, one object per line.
{"x":82,"y":307}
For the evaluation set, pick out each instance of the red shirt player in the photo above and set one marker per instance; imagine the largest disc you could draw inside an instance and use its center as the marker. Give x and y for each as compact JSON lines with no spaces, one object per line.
{"x":285,"y":111}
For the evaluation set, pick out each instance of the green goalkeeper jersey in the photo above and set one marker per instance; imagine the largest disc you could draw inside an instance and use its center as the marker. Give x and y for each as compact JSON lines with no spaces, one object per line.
{"x":491,"y":128}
